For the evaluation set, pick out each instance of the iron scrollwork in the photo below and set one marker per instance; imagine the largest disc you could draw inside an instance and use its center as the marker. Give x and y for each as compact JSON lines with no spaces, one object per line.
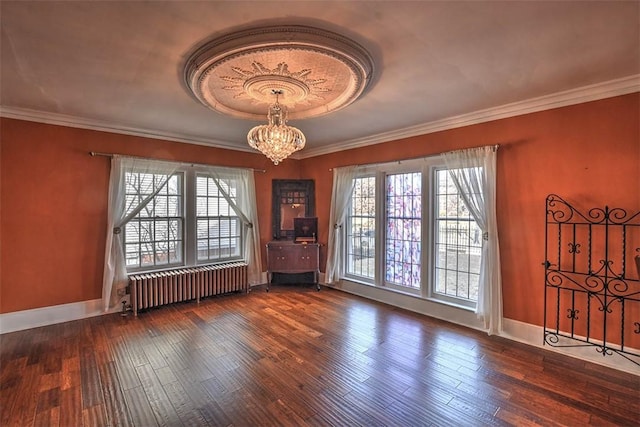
{"x":587,"y":276}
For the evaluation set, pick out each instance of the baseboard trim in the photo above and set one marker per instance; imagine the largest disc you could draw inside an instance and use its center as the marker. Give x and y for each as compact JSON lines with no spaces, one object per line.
{"x":44,"y":316}
{"x":527,"y":333}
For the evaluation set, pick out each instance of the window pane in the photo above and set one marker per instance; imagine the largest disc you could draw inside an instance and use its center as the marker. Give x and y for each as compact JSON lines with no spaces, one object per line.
{"x":212,"y":205}
{"x":175,"y":229}
{"x":160,"y":206}
{"x":132,"y":232}
{"x":202,"y":229}
{"x":174,"y":206}
{"x":146,"y":184}
{"x":458,"y":244}
{"x":132,"y":255}
{"x":403,"y":227}
{"x":146,"y":231}
{"x":201,"y":206}
{"x":203,"y":250}
{"x":175,"y":252}
{"x":162,"y":253}
{"x":146,"y":255}
{"x":173,"y":186}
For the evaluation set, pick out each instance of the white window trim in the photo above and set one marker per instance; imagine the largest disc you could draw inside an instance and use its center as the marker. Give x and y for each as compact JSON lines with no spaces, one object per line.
{"x":345,"y":247}
{"x":431,"y":294}
{"x":427,"y":166}
{"x":161,"y":267}
{"x":193,"y":260}
{"x":189,"y":229}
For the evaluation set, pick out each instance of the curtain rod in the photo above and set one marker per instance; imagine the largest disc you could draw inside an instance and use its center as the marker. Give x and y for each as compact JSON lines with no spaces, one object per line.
{"x":95,"y":153}
{"x":495,"y":148}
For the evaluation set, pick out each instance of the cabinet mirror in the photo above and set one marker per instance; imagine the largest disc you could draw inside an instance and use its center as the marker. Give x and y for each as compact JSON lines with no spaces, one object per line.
{"x":292,"y":198}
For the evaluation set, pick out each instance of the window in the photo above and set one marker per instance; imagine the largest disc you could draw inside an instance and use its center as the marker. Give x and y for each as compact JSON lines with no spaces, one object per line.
{"x":153,"y":237}
{"x":361,"y":229}
{"x":458,"y":244}
{"x":187,"y":221}
{"x":218,"y":227}
{"x":403,"y":220}
{"x":429,"y":244}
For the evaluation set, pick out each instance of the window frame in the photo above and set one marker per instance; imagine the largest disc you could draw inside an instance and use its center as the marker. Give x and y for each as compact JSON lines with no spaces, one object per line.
{"x":241,"y":231}
{"x":153,"y":220}
{"x":428,"y":167}
{"x":386,"y":283}
{"x":347,"y":236}
{"x":189,"y":217}
{"x":433,"y":293}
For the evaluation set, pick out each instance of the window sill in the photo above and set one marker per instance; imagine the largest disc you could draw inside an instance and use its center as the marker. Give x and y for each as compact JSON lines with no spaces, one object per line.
{"x":358,"y":281}
{"x":399,"y":291}
{"x":454,"y":313}
{"x":451,"y":304}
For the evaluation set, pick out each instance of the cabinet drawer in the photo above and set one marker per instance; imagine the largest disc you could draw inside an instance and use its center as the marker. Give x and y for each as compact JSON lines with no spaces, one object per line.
{"x":292,"y":258}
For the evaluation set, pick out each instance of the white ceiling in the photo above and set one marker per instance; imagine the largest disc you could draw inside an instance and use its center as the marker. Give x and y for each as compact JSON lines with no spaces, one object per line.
{"x":119,"y":65}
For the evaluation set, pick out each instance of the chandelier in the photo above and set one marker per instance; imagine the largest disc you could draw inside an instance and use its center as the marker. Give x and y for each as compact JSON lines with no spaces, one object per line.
{"x":276,"y":140}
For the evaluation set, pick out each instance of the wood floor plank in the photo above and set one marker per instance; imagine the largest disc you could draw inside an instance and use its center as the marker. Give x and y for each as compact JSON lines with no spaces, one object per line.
{"x":25,"y":404}
{"x":297,"y":357}
{"x":48,"y":418}
{"x":91,"y":386}
{"x":522,"y":418}
{"x":184,"y":406}
{"x":285,"y":415}
{"x":71,"y":406}
{"x":114,"y":401}
{"x":158,"y":400}
{"x":94,"y":416}
{"x":214,"y":415}
{"x":48,"y":399}
{"x":139,"y":407}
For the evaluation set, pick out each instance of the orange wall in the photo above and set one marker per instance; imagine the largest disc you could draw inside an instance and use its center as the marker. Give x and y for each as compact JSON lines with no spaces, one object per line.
{"x":54,"y":200}
{"x":54,"y":195}
{"x":589,"y":154}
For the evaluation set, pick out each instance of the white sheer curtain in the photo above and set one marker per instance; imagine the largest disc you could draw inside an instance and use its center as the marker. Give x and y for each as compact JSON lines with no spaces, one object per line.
{"x":340,"y":197}
{"x":120,"y":211}
{"x":474,"y":173}
{"x":245,"y":207}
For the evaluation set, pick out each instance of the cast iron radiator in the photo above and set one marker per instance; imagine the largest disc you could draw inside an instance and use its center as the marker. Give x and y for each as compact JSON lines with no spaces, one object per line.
{"x":185,"y":284}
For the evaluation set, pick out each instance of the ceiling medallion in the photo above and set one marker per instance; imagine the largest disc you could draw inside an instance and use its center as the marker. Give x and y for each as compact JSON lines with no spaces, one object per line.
{"x":314,"y":71}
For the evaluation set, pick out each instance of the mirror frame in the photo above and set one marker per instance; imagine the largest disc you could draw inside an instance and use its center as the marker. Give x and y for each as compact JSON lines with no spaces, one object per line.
{"x":281,"y":187}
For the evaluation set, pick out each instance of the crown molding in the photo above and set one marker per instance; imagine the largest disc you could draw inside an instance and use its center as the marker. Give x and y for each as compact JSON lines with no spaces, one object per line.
{"x":622,"y":86}
{"x":84,"y":123}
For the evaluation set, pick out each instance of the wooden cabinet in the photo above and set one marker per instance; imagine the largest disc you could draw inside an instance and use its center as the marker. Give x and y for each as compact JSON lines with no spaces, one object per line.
{"x":289,"y":257}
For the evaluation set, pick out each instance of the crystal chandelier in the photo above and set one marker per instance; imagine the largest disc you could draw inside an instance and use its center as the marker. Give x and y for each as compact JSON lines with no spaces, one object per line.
{"x":276,"y":140}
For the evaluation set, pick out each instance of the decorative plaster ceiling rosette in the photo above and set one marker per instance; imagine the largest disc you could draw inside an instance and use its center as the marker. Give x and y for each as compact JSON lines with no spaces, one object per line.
{"x":317,"y":72}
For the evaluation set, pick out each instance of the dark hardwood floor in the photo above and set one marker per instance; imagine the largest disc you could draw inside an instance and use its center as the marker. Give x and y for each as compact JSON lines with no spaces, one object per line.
{"x":292,"y":357}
